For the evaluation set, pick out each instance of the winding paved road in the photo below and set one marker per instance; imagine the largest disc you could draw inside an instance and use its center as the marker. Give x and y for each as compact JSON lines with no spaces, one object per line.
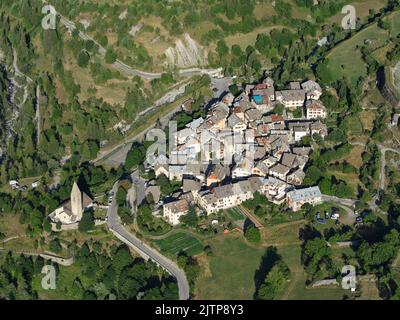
{"x":114,"y":224}
{"x":383,"y":150}
{"x":128,"y":70}
{"x":382,"y":176}
{"x":118,"y":64}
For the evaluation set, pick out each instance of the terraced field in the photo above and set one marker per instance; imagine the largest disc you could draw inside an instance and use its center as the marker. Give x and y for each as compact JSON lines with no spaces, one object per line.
{"x":179,"y":242}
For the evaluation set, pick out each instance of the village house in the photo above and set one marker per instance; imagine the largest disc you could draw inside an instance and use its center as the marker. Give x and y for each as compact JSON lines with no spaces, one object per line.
{"x":274,"y":189}
{"x":279,"y":171}
{"x":248,"y":88}
{"x":276,"y":126}
{"x":243,"y":96}
{"x":294,"y":85}
{"x":289,"y":160}
{"x":236,"y":123}
{"x":291,"y":99}
{"x":239,"y":112}
{"x":215,"y":174}
{"x":195,"y":170}
{"x":319,"y":128}
{"x":192,"y":147}
{"x":301,"y":161}
{"x":274,"y":118}
{"x":178,"y":156}
{"x":207,"y":126}
{"x":263,"y":141}
{"x":262,"y":95}
{"x":262,"y":129}
{"x":252,"y":115}
{"x":296,"y":178}
{"x":224,"y":197}
{"x":296,"y":198}
{"x":260,"y":169}
{"x":278,"y":145}
{"x":302,"y":151}
{"x":315,"y":109}
{"x":313,"y":89}
{"x":173,"y":211}
{"x":270,"y":161}
{"x":195,"y":124}
{"x":160,"y":169}
{"x":269,"y":82}
{"x":280,"y":133}
{"x":259,"y":152}
{"x":299,"y":129}
{"x":245,"y":104}
{"x":191,"y":185}
{"x":228,"y":98}
{"x":182,"y":135}
{"x":243,"y":169}
{"x":213,"y":150}
{"x":176,"y":172}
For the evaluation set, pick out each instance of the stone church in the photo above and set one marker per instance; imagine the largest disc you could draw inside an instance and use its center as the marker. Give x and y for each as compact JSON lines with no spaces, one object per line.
{"x":71,"y":211}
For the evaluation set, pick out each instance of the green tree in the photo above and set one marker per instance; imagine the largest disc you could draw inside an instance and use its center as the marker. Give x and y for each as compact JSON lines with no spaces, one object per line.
{"x":110,"y":56}
{"x":275,"y":282}
{"x":135,"y":156}
{"x":190,"y":219}
{"x":125,"y":214}
{"x":83,"y":59}
{"x":55,"y":246}
{"x":121,"y":196}
{"x":87,"y":222}
{"x":252,"y":234}
{"x":47,"y":225}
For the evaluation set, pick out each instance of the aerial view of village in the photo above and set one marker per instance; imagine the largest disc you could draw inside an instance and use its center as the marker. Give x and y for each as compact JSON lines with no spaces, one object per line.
{"x":200,"y":150}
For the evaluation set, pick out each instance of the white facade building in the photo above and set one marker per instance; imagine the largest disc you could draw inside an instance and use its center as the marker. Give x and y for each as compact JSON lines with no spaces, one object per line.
{"x":173,"y":211}
{"x":296,"y":198}
{"x":224,"y":197}
{"x":315,"y":109}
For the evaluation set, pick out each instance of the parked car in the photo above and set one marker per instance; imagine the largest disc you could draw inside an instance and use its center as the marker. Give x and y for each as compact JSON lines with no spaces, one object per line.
{"x":110,"y":199}
{"x":35,"y":184}
{"x":335,"y":216}
{"x":365,"y":214}
{"x":321,"y":221}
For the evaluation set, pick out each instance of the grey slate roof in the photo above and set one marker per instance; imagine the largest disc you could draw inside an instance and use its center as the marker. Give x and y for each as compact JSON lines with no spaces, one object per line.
{"x":191,"y":185}
{"x":304,"y":194}
{"x":289,"y":160}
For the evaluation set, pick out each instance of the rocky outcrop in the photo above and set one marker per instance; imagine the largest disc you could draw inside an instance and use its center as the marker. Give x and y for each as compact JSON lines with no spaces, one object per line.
{"x":186,"y":53}
{"x":386,"y":88}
